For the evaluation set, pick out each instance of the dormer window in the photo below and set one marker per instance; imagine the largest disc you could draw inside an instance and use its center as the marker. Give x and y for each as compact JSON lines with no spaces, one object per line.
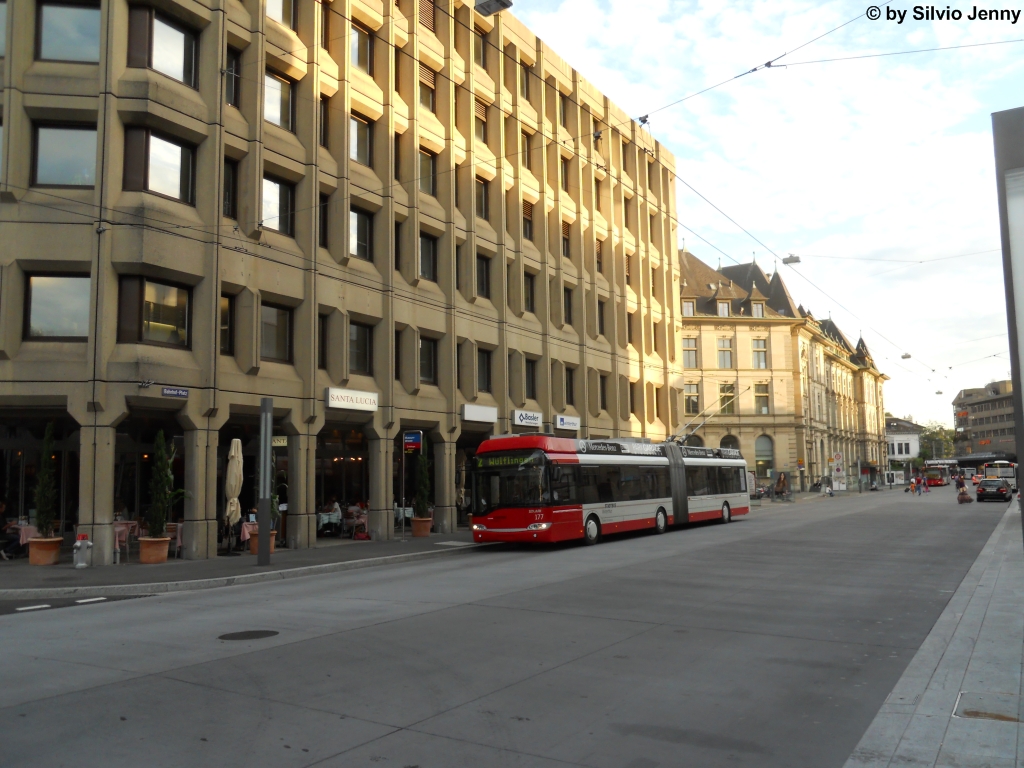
{"x":723,"y":309}
{"x":757,"y":310}
{"x":688,"y":309}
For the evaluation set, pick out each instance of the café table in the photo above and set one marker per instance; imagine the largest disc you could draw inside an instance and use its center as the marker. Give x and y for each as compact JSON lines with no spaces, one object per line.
{"x":27,"y":532}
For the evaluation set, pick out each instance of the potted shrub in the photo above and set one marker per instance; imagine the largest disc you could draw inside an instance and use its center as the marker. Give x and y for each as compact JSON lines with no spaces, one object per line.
{"x":275,"y":517}
{"x":45,"y":549}
{"x":153,"y":548}
{"x":421,"y":519}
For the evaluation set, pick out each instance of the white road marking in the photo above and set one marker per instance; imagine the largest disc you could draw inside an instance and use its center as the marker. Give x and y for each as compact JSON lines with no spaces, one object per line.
{"x":90,"y":600}
{"x":31,"y":607}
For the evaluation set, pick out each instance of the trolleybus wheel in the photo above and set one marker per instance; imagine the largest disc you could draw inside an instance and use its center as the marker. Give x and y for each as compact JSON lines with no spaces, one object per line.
{"x":726,"y":513}
{"x":660,"y":521}
{"x":591,"y":530}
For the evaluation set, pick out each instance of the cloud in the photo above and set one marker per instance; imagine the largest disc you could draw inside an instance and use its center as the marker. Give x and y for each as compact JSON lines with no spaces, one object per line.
{"x":884,"y":158}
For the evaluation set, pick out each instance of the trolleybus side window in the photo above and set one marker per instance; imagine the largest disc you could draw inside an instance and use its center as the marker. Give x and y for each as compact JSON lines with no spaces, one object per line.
{"x":564,"y":484}
{"x":632,"y":487}
{"x":588,"y":485}
{"x":731,"y":480}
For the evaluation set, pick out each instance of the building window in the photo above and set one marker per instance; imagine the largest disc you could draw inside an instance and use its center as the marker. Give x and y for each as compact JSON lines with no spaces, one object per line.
{"x":277,"y":101}
{"x":725,"y":353}
{"x":398,"y":355}
{"x":428,"y":83}
{"x":427,"y":19}
{"x":360,"y":349}
{"x":727,"y":398}
{"x":564,"y":173}
{"x":57,"y":307}
{"x":600,"y":317}
{"x":278,"y":205}
{"x":227,"y":325}
{"x":531,"y":379}
{"x":361,"y":140}
{"x":362,"y":49}
{"x":482,"y":198}
{"x":529,"y":292}
{"x":630,"y":322}
{"x":691,"y":399}
{"x":161,"y":45}
{"x":275,"y":333}
{"x":760,"y":352}
{"x":428,"y":257}
{"x":428,"y":361}
{"x":570,"y":386}
{"x":563,"y":110}
{"x":566,"y":244}
{"x":158,"y":164}
{"x":230,"y":189}
{"x":483,"y":370}
{"x":428,"y":172}
{"x":322,"y":334}
{"x":281,"y":11}
{"x":633,"y":385}
{"x":598,"y":257}
{"x":525,"y":149}
{"x":233,"y":78}
{"x":152,"y":313}
{"x":480,"y":121}
{"x":602,"y":386}
{"x":480,"y":47}
{"x":524,"y":80}
{"x":757,"y":310}
{"x":761,"y":399}
{"x":483,"y":276}
{"x":764,"y":456}
{"x":360,"y":244}
{"x":689,"y":353}
{"x":627,"y":268}
{"x":65,"y":156}
{"x":67,"y":32}
{"x":567,"y":305}
{"x":723,"y":309}
{"x":597,"y":195}
{"x":527,"y":220}
{"x":325,"y":25}
{"x":324,"y":128}
{"x":398,"y":246}
{"x":323,"y":220}
{"x":687,"y":309}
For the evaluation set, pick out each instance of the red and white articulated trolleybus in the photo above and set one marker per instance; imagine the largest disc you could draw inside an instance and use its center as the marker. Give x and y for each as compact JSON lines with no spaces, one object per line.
{"x":540,"y":488}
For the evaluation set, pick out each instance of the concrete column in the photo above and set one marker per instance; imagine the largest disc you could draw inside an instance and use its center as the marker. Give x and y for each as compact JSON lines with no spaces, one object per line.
{"x":381,"y":518}
{"x":96,"y":491}
{"x":445,"y":512}
{"x":301,"y":496}
{"x":199,"y":536}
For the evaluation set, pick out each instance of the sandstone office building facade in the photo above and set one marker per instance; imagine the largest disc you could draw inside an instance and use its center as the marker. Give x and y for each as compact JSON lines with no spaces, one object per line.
{"x":385,"y":215}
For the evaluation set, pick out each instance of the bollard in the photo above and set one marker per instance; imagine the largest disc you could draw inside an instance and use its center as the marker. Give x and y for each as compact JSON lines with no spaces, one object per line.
{"x":81,"y":551}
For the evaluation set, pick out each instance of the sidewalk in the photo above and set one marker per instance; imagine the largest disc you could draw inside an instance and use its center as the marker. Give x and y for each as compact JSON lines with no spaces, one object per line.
{"x":959,"y":701}
{"x":19,"y":580}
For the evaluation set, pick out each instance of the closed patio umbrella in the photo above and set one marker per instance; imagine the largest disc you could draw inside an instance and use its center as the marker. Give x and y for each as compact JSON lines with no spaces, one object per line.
{"x":233,"y":486}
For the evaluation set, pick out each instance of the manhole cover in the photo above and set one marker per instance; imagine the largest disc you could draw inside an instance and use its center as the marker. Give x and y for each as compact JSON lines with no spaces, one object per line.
{"x":250,"y":634}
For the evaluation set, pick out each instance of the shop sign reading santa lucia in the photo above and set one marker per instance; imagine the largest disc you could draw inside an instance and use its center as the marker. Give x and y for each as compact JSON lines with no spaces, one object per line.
{"x":351,"y":399}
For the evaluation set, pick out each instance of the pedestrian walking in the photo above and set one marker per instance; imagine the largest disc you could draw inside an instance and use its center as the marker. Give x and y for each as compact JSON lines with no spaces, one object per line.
{"x":920,"y":482}
{"x":913,"y":486}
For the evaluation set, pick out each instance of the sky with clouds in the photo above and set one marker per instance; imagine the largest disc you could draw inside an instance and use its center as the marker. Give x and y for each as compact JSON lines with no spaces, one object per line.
{"x":877,"y":172}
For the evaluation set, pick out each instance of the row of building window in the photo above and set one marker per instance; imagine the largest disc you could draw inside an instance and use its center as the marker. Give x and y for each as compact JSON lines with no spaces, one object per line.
{"x":899,"y":449}
{"x":993,"y":433}
{"x":759,"y":353}
{"x":992,"y":419}
{"x":994,"y":405}
{"x":689,"y":308}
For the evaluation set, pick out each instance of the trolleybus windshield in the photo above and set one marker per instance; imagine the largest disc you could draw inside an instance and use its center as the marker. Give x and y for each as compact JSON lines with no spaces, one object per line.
{"x":503,"y":480}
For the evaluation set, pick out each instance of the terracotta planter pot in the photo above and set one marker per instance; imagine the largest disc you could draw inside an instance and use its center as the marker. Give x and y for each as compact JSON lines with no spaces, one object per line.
{"x":44,"y":551}
{"x":254,"y":543}
{"x":153,"y":551}
{"x":421,"y":526}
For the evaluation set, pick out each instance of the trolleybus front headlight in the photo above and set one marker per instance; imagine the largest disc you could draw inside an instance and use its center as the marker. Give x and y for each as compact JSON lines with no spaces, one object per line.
{"x":478,"y":527}
{"x":538,"y":526}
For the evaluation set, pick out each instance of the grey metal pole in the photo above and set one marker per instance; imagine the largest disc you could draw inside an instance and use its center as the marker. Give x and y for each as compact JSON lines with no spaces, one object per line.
{"x":401,"y":503}
{"x":266,"y":477}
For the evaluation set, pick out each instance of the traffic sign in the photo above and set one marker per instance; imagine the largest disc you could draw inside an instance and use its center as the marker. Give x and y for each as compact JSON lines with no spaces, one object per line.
{"x":413,"y":441}
{"x":839,"y":457}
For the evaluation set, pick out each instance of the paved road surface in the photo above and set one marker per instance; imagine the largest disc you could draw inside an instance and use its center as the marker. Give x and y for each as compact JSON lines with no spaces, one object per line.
{"x":769,"y":642}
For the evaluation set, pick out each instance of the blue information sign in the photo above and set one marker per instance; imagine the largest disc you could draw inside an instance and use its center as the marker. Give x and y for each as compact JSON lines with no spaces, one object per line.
{"x":175,"y":392}
{"x":413,"y":442}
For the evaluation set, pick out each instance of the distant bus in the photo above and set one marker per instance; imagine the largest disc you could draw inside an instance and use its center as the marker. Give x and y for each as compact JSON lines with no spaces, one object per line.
{"x":939,"y":471}
{"x":1001,"y":470}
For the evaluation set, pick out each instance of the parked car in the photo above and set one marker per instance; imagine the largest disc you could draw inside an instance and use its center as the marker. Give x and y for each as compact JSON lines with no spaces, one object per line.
{"x":994,"y":489}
